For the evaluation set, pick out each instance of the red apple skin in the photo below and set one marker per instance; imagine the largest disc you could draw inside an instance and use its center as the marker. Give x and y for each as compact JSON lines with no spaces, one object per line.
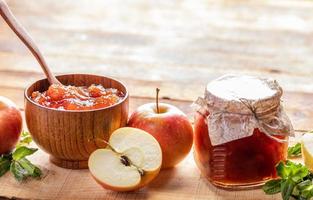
{"x":145,"y":180}
{"x":171,"y":128}
{"x":10,"y":125}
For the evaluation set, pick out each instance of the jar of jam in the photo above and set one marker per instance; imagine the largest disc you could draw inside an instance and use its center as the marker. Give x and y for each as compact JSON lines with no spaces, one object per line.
{"x":241,"y":131}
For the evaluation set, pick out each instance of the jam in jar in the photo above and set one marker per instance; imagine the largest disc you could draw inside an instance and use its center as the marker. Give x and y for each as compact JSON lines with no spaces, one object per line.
{"x":241,"y":131}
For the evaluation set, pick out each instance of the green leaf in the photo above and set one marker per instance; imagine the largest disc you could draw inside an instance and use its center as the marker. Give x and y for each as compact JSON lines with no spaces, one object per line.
{"x":307,"y":191}
{"x":282,"y":170}
{"x":298,"y":171}
{"x":293,"y":170}
{"x":25,"y":140}
{"x":37,"y":172}
{"x":25,"y":134}
{"x":294,"y":151}
{"x":304,"y":184}
{"x":18,"y":171}
{"x":4,"y":165}
{"x":31,"y":169}
{"x":23,"y":169}
{"x":287,"y":187}
{"x":22,"y":152}
{"x":272,"y":186}
{"x":27,"y":165}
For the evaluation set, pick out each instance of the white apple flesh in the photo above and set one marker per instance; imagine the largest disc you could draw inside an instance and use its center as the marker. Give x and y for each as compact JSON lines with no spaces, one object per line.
{"x":170,"y":127}
{"x":132,"y":160}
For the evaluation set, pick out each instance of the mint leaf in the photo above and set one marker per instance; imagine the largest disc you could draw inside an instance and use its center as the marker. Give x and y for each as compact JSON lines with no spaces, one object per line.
{"x":24,"y":134}
{"x":23,"y":169}
{"x":307,"y":192}
{"x":27,"y":165}
{"x":18,"y":171}
{"x":291,"y":170}
{"x":272,"y":187}
{"x":4,"y":165}
{"x":31,"y":169}
{"x":25,"y":140}
{"x":294,"y":151}
{"x":37,"y":172}
{"x":303,"y":185}
{"x":298,"y":171}
{"x":283,"y":170}
{"x":305,"y":189}
{"x":287,"y":187}
{"x":22,"y":152}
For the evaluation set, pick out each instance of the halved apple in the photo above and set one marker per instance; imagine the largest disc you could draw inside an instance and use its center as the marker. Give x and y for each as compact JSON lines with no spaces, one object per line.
{"x":132,"y":159}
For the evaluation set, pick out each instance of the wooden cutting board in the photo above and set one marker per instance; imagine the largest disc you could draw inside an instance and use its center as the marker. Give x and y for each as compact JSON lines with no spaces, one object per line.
{"x":182,"y":182}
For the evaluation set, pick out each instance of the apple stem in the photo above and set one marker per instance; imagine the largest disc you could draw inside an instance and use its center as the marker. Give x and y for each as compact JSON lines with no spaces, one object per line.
{"x":157,"y":100}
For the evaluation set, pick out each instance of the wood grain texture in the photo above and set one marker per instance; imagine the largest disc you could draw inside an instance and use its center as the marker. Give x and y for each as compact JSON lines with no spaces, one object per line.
{"x":71,"y":136}
{"x":167,"y":44}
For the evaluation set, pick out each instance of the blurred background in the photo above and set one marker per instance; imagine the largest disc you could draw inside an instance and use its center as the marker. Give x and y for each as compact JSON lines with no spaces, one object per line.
{"x":176,"y":45}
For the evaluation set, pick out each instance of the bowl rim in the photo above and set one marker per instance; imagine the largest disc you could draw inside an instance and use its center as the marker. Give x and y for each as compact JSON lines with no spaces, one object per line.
{"x":77,"y":111}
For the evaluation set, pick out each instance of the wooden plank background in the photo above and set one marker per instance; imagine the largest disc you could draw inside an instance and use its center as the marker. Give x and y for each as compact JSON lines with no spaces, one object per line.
{"x":176,"y":45}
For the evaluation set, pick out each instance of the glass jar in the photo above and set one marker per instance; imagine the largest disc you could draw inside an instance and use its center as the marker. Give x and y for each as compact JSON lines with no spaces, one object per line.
{"x":241,"y":131}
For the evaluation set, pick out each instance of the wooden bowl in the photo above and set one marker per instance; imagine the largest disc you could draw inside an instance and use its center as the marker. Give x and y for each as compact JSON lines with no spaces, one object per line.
{"x":71,"y":136}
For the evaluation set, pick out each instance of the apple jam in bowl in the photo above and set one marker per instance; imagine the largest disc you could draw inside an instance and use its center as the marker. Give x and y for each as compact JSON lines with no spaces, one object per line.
{"x":241,"y":131}
{"x":72,"y":120}
{"x":78,"y":98}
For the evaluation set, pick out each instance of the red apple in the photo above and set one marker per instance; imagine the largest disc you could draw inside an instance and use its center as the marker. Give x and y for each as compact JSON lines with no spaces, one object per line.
{"x":170,"y":127}
{"x":10,"y":125}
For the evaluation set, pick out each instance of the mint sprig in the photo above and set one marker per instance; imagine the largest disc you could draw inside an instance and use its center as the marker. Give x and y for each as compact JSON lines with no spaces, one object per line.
{"x":16,"y":161}
{"x":295,"y":182}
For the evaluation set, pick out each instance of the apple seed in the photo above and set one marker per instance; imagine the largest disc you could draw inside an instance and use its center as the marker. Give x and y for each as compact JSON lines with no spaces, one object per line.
{"x":125,"y":161}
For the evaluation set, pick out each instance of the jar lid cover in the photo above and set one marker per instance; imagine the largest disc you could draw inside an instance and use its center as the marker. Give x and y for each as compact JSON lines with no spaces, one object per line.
{"x":234,"y":92}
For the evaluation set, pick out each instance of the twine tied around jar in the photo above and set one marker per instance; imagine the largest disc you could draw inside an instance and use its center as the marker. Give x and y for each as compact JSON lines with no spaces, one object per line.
{"x":273,"y":122}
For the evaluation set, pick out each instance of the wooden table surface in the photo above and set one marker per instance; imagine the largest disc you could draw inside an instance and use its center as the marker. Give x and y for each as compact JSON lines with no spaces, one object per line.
{"x":176,"y":45}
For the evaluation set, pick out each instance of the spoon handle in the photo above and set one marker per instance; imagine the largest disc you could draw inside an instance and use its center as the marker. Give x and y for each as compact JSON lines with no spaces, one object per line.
{"x":18,"y":29}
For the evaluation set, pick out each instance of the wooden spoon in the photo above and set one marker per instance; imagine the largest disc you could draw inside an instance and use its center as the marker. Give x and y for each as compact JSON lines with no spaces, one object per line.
{"x":18,"y":29}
